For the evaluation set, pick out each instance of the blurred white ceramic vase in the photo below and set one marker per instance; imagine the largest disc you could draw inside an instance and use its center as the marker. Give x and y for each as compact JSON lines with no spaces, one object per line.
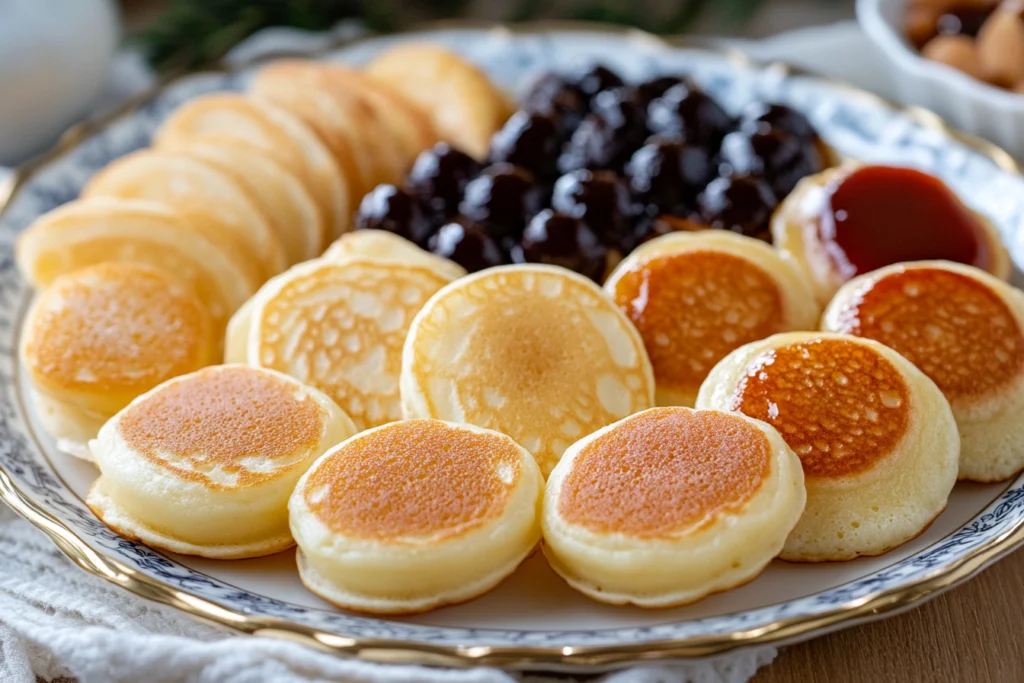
{"x":54,"y":56}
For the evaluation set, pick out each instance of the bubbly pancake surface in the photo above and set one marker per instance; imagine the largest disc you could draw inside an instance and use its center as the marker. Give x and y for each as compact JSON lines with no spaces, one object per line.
{"x":665,"y":470}
{"x":839,"y":405}
{"x":693,"y":308}
{"x":954,"y":328}
{"x":414,"y":479}
{"x":224,"y":427}
{"x":341,"y":328}
{"x":117,"y":327}
{"x":531,"y":353}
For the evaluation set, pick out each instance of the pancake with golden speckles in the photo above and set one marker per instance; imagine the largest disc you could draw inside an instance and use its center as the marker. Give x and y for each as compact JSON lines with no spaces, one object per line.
{"x":671,"y":504}
{"x":204,"y":464}
{"x":535,"y":352}
{"x":414,"y":515}
{"x":876,"y":437}
{"x":100,"y":336}
{"x":339,"y":326}
{"x":697,"y":296}
{"x":961,"y":327}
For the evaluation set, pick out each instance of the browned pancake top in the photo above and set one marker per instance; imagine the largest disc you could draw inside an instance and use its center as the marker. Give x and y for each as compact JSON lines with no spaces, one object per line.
{"x":227,"y":427}
{"x":693,"y":308}
{"x":839,"y":405}
{"x":414,"y":479}
{"x":664,"y":470}
{"x":117,"y":327}
{"x":954,"y":328}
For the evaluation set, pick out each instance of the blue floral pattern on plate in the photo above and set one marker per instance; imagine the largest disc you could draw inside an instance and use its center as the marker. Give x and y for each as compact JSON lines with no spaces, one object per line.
{"x":855,"y":124}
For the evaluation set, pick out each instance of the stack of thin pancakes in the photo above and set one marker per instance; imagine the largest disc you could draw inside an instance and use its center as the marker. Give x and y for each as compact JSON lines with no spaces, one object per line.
{"x":418,"y":432}
{"x":236,"y":188}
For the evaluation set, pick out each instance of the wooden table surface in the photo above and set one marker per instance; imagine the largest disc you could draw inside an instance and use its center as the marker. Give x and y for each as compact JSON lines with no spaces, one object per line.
{"x":973,"y":633}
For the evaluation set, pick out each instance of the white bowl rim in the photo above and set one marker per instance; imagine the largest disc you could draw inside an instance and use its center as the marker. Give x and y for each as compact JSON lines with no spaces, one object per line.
{"x":893,"y":43}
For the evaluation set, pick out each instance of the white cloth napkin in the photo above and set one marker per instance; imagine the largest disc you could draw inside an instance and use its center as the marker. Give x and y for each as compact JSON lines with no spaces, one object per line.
{"x":56,"y":620}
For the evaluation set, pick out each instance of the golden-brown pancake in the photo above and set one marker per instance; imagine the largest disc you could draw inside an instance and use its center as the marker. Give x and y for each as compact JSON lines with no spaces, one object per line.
{"x":271,"y":130}
{"x":535,"y":352}
{"x":102,"y":230}
{"x":411,"y":126}
{"x":279,"y":193}
{"x":876,"y":438}
{"x":99,"y":336}
{"x":347,"y":123}
{"x":210,"y":200}
{"x":204,"y":464}
{"x":806,"y":224}
{"x":669,"y":505}
{"x":341,"y":327}
{"x":466,"y":108}
{"x":961,"y":327}
{"x":695,"y":297}
{"x":416,"y":514}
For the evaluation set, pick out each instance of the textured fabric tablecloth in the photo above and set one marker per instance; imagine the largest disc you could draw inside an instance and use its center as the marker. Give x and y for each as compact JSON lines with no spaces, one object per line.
{"x":58,"y":621}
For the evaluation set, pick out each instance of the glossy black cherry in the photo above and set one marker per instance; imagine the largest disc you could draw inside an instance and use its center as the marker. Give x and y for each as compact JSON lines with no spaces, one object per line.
{"x":530,"y":140}
{"x":600,"y":199}
{"x":388,"y":208}
{"x":438,"y":178}
{"x":562,"y":240}
{"x":741,"y":204}
{"x":502,"y":197}
{"x":468,"y":244}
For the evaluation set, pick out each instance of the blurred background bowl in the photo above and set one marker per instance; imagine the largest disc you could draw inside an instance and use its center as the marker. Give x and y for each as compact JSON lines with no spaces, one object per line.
{"x":54,"y":56}
{"x":965,"y":102}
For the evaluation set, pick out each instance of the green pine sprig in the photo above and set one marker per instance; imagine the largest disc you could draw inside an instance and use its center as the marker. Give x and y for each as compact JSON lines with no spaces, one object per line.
{"x":190,"y":33}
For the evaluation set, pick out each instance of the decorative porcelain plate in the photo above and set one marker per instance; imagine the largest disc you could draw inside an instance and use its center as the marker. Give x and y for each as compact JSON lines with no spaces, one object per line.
{"x":533,"y":620}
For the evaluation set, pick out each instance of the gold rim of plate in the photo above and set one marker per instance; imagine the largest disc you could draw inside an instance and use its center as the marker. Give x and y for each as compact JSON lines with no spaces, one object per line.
{"x":392,"y":651}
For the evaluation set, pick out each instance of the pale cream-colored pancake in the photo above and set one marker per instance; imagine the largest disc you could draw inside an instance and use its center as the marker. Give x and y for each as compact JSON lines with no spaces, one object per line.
{"x":204,"y":464}
{"x":236,"y":338}
{"x":669,"y":505}
{"x":796,"y":231}
{"x":465,"y":107}
{"x":273,"y":131}
{"x":380,"y":245}
{"x":210,"y":200}
{"x":340,"y":327}
{"x":349,"y":127}
{"x":876,"y":438}
{"x":535,"y":352}
{"x":101,"y":230}
{"x":282,"y":198}
{"x":696,"y":296}
{"x":411,"y":126}
{"x":963,"y":328}
{"x":99,"y":336}
{"x":362,"y":120}
{"x":414,"y":515}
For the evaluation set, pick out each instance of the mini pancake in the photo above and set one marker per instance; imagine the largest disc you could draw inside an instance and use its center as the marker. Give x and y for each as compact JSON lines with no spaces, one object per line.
{"x":101,"y":230}
{"x":535,"y":352}
{"x":280,"y":195}
{"x":875,"y":436}
{"x":962,"y":328}
{"x":466,"y":108}
{"x":272,"y":130}
{"x":204,"y":464}
{"x":803,"y":222}
{"x":380,"y":245}
{"x":411,"y":126}
{"x":697,"y":296}
{"x":210,"y":200}
{"x":414,"y":515}
{"x":340,"y":327}
{"x":98,"y":337}
{"x":669,"y":505}
{"x":362,"y":113}
{"x":348,"y":125}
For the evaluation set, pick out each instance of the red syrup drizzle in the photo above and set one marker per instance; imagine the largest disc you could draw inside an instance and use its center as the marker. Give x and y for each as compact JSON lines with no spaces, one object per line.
{"x":881,"y":215}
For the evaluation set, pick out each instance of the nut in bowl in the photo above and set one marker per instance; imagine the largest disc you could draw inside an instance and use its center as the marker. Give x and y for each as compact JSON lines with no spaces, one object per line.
{"x":963,"y":60}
